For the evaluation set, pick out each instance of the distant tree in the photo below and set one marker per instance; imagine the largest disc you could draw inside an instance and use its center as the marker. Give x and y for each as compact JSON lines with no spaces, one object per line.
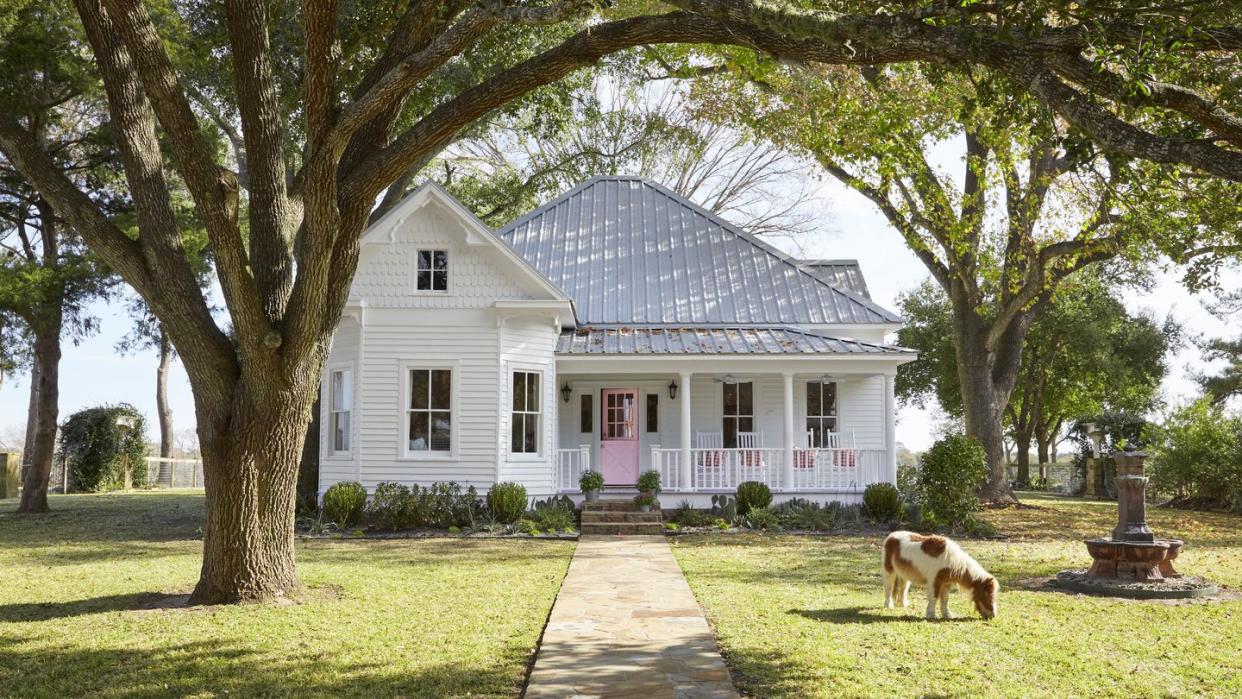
{"x":622,"y":128}
{"x":47,"y":275}
{"x":1226,"y":382}
{"x":1084,"y":354}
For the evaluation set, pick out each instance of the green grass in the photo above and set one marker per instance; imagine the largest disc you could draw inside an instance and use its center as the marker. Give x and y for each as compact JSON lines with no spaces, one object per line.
{"x":804,"y":617}
{"x":84,"y":610}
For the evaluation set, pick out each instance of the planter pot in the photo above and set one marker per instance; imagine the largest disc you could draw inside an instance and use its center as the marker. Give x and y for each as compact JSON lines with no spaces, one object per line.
{"x":644,"y":508}
{"x":591,"y":495}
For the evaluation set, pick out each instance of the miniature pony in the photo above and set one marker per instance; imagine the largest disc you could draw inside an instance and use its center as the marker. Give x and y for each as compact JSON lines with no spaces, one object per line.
{"x":939,"y":563}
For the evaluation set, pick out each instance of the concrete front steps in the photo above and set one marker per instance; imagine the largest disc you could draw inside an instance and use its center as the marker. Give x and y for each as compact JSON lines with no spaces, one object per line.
{"x":619,"y":517}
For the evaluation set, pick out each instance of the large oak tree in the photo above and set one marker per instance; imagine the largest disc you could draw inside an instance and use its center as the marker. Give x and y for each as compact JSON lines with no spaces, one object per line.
{"x":284,"y":228}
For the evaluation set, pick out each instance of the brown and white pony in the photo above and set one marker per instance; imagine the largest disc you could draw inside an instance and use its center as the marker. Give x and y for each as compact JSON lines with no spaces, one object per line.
{"x":939,"y":563}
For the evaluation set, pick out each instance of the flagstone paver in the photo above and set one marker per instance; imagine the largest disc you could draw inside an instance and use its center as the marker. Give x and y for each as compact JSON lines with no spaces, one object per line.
{"x":625,"y":624}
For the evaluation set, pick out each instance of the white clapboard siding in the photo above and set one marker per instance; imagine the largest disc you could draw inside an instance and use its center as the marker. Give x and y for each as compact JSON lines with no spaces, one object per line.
{"x":528,"y":345}
{"x":344,"y":354}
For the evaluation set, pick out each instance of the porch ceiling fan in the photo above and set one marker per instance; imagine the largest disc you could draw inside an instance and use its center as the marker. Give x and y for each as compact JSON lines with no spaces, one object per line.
{"x":726,"y":379}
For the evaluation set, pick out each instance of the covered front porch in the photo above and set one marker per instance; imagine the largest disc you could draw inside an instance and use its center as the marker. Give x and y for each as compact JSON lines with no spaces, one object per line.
{"x":706,"y":424}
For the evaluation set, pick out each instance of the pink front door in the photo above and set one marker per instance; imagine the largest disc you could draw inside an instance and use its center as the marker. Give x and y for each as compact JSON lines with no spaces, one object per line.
{"x":618,"y":438}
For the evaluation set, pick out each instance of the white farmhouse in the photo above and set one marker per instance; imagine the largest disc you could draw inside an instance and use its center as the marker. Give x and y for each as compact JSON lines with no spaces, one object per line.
{"x":619,"y":328}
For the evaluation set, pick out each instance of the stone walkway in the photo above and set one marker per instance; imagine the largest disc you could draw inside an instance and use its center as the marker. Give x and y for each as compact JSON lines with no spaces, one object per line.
{"x":625,"y":624}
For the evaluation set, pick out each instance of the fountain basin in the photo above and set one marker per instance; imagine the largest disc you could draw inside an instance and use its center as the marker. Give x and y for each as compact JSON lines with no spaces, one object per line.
{"x":1140,"y":561}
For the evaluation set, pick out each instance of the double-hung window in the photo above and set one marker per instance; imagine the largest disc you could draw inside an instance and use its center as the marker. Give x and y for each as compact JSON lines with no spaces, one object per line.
{"x":340,"y":398}
{"x":429,"y":416}
{"x":821,"y":411}
{"x":524,"y":427}
{"x":739,"y":412}
{"x":432,"y":270}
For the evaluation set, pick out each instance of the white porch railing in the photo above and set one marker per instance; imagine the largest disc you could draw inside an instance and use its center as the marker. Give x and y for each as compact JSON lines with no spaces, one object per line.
{"x":570,"y":463}
{"x":714,"y":469}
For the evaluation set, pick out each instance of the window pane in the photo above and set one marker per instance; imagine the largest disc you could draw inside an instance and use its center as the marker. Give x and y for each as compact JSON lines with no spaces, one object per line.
{"x":532,"y":392}
{"x":441,"y":389}
{"x":653,"y":412}
{"x":812,"y":398}
{"x":531,"y":433}
{"x":585,"y":419}
{"x":745,"y":405}
{"x":418,"y":432}
{"x":730,"y":399}
{"x":812,"y":426}
{"x":441,"y":431}
{"x":830,"y":399}
{"x":424,"y":260}
{"x":440,"y":259}
{"x":419,"y":388}
{"x":337,"y":380}
{"x":340,"y":431}
{"x":424,"y":281}
{"x":440,"y":281}
{"x":745,"y":424}
{"x":516,"y":431}
{"x":730,"y":433}
{"x":519,"y":390}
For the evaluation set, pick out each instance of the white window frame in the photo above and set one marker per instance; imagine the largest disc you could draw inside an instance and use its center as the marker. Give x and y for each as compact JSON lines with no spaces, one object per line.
{"x":538,"y":454}
{"x":404,"y":453}
{"x":751,"y":415}
{"x":448,"y":270}
{"x":836,"y":417}
{"x":348,"y":368}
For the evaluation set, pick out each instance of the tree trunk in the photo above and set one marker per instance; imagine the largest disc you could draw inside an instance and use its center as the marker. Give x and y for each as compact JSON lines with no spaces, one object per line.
{"x":250,"y":469}
{"x":32,"y":420}
{"x":1023,"y":447}
{"x":165,"y":412}
{"x":43,"y":446}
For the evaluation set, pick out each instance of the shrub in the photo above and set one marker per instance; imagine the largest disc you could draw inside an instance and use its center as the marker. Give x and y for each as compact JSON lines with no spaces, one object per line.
{"x":391,"y":506}
{"x":949,"y":476}
{"x":1200,"y":456}
{"x":590,"y":480}
{"x":445,"y":504}
{"x":555,"y":518}
{"x":507,"y":502}
{"x":649,"y":482}
{"x":760,"y":518}
{"x":99,"y":452}
{"x":344,"y":503}
{"x":645,"y":500}
{"x":752,"y":494}
{"x":797,"y":513}
{"x":686,"y":516}
{"x":883,"y":502}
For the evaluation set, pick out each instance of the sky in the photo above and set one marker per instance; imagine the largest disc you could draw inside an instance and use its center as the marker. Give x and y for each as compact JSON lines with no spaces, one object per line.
{"x":94,"y":372}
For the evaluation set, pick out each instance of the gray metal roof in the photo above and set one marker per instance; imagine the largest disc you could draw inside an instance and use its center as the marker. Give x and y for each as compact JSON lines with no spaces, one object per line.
{"x":843,"y":274}
{"x":661,"y":340}
{"x":629,"y":251}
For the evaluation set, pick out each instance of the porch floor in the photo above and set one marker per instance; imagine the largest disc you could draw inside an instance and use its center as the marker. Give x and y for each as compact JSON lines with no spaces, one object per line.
{"x":625,"y":624}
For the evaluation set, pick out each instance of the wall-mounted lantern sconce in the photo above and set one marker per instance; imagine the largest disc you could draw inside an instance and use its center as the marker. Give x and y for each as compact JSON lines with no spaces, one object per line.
{"x":672,"y":390}
{"x":566,"y":392}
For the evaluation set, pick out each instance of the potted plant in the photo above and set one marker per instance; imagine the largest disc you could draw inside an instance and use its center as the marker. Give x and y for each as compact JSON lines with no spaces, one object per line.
{"x":645,"y":502}
{"x":648,"y":488}
{"x":590,"y":483}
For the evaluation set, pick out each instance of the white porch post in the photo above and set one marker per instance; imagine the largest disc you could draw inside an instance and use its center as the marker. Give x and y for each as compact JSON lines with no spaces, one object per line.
{"x":890,"y":430}
{"x":686,"y":427}
{"x":787,"y":479}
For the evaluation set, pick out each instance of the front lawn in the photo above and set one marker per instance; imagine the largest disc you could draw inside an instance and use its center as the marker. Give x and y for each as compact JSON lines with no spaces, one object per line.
{"x":803,"y":616}
{"x":89,"y":595}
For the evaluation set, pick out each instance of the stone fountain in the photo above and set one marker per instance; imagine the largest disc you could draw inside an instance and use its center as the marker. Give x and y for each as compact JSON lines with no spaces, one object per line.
{"x":1134,"y":562}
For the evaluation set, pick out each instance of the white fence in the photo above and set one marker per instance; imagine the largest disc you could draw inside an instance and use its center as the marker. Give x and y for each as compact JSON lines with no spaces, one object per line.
{"x":174,"y":473}
{"x":1065,"y":479}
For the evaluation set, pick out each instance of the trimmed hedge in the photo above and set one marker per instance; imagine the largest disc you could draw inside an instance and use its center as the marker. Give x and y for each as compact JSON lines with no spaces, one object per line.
{"x":950,"y":475}
{"x":752,"y":495}
{"x":344,"y":503}
{"x":883,"y":502}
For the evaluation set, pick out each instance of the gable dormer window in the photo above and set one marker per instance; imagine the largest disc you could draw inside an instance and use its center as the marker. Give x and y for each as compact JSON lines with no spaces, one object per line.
{"x":432,"y":270}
